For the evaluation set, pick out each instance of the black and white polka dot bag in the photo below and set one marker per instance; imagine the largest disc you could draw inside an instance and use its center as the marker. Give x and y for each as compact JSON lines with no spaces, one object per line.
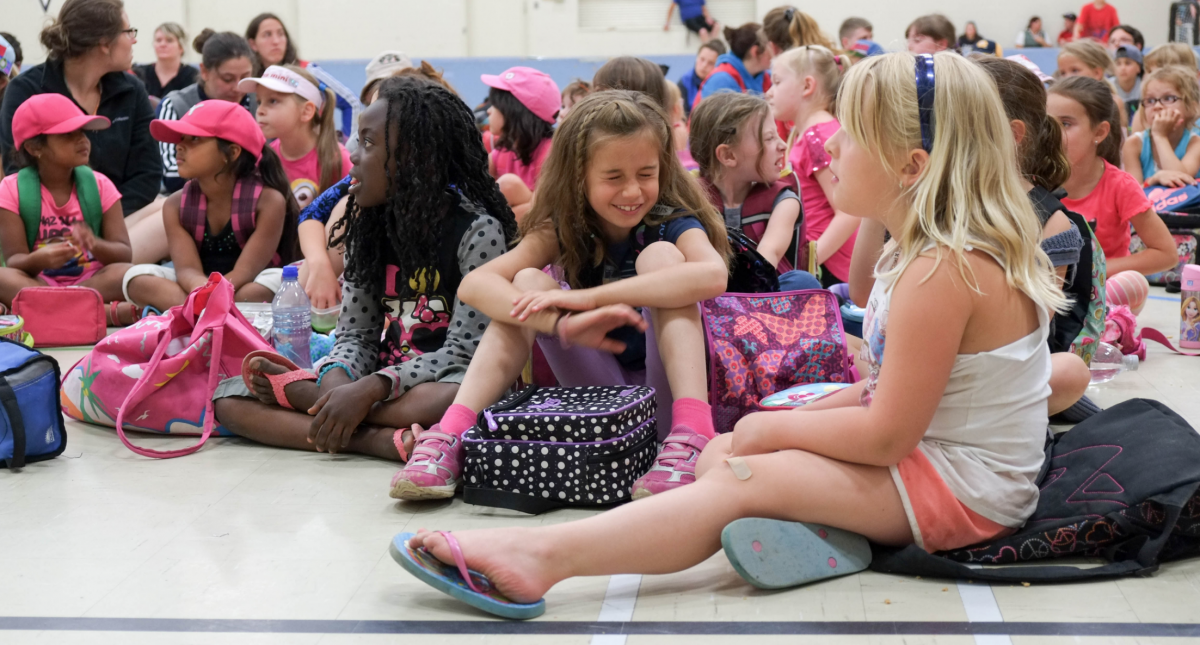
{"x":544,"y":448}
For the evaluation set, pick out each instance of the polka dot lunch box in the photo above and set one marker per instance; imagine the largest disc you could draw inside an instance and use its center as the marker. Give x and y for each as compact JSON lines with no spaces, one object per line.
{"x":545,"y":448}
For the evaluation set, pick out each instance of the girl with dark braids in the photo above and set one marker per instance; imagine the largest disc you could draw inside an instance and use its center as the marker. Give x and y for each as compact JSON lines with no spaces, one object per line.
{"x":423,"y":214}
{"x":628,"y":227}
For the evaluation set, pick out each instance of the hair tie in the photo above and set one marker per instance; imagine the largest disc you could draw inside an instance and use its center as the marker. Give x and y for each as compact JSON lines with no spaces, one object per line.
{"x":925,"y":85}
{"x":789,"y":13}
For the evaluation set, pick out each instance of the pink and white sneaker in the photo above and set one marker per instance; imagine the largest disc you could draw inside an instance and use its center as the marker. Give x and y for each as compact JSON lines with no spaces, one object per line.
{"x":433,"y":469}
{"x":675,"y":464}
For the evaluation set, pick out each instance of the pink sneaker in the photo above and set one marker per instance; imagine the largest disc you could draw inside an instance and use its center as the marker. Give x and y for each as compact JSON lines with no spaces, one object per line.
{"x":675,"y":464}
{"x":433,"y":469}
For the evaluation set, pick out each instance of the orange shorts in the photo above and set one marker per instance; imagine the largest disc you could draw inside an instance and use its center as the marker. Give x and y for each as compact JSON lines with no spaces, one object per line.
{"x":939,"y":521}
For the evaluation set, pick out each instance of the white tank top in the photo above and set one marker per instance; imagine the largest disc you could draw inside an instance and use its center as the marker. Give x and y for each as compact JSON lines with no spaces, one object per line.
{"x":987,"y":437}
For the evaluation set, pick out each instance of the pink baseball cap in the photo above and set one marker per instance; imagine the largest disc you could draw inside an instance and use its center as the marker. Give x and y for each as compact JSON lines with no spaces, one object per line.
{"x":282,"y":79}
{"x":534,"y":89}
{"x":213,"y":118}
{"x":51,"y":114}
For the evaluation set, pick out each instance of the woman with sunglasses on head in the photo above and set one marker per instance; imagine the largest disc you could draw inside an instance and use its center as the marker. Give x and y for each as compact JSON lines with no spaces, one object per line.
{"x":90,"y":48}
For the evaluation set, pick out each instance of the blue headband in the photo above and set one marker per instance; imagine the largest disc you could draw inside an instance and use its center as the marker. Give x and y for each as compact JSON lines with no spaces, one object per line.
{"x":925,"y":80}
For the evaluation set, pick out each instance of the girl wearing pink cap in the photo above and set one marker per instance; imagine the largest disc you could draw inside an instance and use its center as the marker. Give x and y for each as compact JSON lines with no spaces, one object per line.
{"x":524,"y":106}
{"x":235,"y":216}
{"x":61,"y":222}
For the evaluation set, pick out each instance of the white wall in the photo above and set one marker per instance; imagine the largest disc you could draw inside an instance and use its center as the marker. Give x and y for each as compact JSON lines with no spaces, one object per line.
{"x":357,"y":29}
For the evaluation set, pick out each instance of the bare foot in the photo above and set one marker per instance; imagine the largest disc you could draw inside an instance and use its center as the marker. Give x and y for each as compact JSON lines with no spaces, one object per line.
{"x":300,"y":394}
{"x":508,"y":557}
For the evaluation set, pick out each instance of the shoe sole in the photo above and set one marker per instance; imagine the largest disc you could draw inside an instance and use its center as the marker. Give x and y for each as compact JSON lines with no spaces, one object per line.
{"x":408,"y":491}
{"x":773,"y":554}
{"x":640,"y":493}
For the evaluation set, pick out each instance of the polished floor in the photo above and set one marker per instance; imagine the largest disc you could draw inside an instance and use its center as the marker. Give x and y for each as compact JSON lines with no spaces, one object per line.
{"x":245,"y":544}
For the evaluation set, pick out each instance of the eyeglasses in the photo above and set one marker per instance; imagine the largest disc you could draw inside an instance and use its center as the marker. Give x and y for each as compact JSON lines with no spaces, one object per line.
{"x":131,"y":31}
{"x":1169,"y":99}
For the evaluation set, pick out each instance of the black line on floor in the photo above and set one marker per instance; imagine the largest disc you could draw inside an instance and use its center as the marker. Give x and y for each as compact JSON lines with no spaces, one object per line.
{"x":662,"y":628}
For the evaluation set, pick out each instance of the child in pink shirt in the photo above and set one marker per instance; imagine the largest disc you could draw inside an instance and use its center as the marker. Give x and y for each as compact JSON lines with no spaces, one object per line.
{"x":524,"y":106}
{"x":80,"y":237}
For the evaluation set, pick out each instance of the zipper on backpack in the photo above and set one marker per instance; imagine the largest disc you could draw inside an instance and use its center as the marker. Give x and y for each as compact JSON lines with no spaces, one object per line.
{"x":600,"y":459}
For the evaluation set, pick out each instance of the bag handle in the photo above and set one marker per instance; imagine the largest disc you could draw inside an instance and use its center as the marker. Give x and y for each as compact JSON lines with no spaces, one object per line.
{"x":15,"y":421}
{"x":484,"y":420}
{"x":1150,"y":333}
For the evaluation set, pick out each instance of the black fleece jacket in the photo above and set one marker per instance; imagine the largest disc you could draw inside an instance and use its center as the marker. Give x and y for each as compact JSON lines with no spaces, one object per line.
{"x":125,"y":152}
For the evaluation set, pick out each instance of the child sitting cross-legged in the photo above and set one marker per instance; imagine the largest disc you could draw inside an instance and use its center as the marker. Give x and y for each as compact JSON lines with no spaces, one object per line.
{"x":423,"y":213}
{"x":940,"y":446}
{"x":61,"y":223}
{"x":235,"y":216}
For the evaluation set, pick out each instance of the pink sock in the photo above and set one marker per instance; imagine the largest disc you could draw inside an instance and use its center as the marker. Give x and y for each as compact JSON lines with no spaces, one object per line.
{"x":695,"y":414}
{"x":457,"y":420}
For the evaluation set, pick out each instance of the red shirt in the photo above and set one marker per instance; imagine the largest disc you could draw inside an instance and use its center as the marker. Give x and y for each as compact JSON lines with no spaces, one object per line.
{"x":1096,"y":23}
{"x":1065,"y":36}
{"x":1110,"y":206}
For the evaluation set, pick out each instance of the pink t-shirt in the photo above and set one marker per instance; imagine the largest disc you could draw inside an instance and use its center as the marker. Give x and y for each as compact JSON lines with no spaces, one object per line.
{"x":506,"y":161}
{"x":808,"y":157}
{"x":305,"y":173}
{"x":1110,"y":206}
{"x":58,"y":220}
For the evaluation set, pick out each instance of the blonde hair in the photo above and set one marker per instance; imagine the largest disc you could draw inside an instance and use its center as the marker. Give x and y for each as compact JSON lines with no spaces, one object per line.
{"x":329,"y":153}
{"x":788,"y":27}
{"x":1171,"y":54}
{"x":1090,"y":53}
{"x":562,"y":203}
{"x":1183,"y":307}
{"x":969,"y":194}
{"x":820,"y":63}
{"x":1185,"y":84}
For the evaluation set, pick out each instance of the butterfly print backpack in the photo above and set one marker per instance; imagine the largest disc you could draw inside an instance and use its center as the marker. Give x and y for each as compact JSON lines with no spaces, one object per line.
{"x":760,"y":344}
{"x":548,"y":447}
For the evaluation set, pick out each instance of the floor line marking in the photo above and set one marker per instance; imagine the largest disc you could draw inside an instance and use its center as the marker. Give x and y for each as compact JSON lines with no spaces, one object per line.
{"x":980,"y":605}
{"x":619,"y":601}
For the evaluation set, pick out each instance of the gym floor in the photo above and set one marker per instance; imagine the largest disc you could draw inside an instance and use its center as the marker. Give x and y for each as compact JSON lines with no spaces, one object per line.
{"x":245,"y":544}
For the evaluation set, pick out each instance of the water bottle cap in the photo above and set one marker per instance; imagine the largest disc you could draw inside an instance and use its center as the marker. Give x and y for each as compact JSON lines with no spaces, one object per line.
{"x":291,"y":273}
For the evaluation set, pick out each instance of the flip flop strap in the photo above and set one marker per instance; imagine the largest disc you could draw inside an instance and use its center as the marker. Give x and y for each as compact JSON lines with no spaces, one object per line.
{"x":459,"y":560}
{"x":280,"y":381}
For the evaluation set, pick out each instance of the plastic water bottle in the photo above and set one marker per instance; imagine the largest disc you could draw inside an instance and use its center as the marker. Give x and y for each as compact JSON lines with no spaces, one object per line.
{"x":292,"y":312}
{"x":1109,"y":362}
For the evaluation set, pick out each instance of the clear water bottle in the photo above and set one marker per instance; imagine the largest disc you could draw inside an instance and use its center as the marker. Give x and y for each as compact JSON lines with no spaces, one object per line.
{"x":1109,"y":362}
{"x":292,"y":312}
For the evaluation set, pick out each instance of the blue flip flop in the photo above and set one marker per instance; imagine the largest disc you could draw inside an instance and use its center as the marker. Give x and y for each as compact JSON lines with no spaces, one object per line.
{"x":468,"y":586}
{"x":773,"y":554}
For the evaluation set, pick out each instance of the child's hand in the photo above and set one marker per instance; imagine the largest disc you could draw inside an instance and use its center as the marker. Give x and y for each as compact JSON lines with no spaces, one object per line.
{"x":338,"y":414}
{"x":82,"y":236}
{"x":590,"y":329}
{"x":1171,"y":179}
{"x":1166,"y":121}
{"x":532,"y":302}
{"x":54,"y":256}
{"x":323,"y":289}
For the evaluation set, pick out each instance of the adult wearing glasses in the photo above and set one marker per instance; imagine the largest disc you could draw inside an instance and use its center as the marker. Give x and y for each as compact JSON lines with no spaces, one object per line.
{"x":89,"y":52}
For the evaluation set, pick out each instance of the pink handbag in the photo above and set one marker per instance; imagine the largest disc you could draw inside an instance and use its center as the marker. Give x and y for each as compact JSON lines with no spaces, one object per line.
{"x":62,"y":316}
{"x":159,"y":375}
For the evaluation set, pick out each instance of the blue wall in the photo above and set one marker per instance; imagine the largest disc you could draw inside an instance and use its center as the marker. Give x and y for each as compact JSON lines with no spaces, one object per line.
{"x":463,"y":73}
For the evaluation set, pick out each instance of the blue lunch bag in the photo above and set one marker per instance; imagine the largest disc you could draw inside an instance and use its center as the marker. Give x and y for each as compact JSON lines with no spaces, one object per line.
{"x":31,"y":420}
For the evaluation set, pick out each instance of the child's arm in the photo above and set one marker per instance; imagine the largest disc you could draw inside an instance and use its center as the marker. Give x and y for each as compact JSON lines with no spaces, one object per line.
{"x":867,"y":247}
{"x":263,"y":242}
{"x":185,"y":254}
{"x":1160,"y":253}
{"x":112,"y":247}
{"x":322,"y":286}
{"x":16,"y":249}
{"x":1160,"y":132}
{"x":780,"y":228}
{"x":1131,"y":157}
{"x":840,"y":229}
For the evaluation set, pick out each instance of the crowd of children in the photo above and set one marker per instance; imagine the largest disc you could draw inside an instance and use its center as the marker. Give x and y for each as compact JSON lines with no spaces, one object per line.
{"x":588,"y":222}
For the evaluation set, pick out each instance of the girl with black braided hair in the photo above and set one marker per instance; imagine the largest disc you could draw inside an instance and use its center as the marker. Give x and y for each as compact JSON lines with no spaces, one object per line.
{"x":423,"y":214}
{"x":628,"y":227}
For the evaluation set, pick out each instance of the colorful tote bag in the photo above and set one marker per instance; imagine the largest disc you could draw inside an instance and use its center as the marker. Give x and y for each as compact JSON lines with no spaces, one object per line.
{"x":760,"y":344}
{"x":159,"y":375}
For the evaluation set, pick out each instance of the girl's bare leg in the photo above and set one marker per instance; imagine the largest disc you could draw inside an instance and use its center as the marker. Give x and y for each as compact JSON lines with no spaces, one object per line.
{"x":523,"y":563}
{"x":147,"y":234}
{"x":678,"y":332}
{"x":160,"y":293}
{"x":108,"y":282}
{"x":12,"y":281}
{"x":1069,"y":379}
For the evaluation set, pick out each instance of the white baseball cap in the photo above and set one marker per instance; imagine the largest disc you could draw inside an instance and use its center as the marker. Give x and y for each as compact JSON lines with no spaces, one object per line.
{"x":282,"y":79}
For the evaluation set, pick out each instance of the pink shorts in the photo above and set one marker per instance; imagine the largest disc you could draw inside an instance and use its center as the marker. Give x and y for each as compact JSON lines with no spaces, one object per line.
{"x":939,"y":521}
{"x":71,"y":280}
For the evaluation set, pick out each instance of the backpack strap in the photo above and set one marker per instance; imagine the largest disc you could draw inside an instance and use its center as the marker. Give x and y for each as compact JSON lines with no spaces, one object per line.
{"x":29,"y":193}
{"x":245,"y":203}
{"x":723,"y":67}
{"x":192,"y":210}
{"x":87,"y":191}
{"x":1150,"y":333}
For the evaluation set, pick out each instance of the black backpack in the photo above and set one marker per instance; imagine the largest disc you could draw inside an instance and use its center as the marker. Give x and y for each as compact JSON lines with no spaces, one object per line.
{"x":1121,"y":486}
